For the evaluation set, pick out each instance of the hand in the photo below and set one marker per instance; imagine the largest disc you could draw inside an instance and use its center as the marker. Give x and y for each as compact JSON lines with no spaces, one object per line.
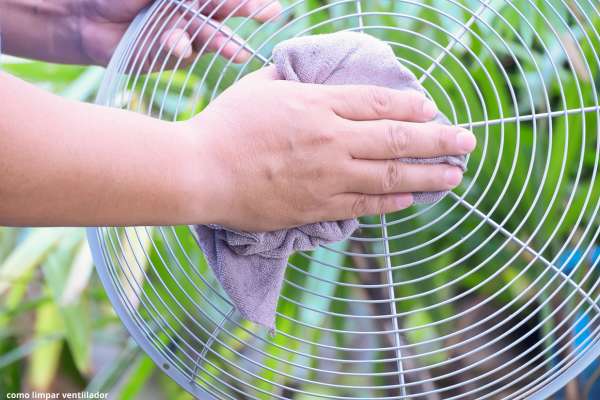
{"x":88,"y":31}
{"x":283,"y":154}
{"x":103,"y":23}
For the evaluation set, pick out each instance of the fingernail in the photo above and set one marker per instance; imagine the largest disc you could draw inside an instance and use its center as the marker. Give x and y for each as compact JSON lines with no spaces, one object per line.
{"x":453,"y":177}
{"x":430,"y":110}
{"x":180,"y":45}
{"x":183,"y":49}
{"x":404,"y":201}
{"x":466,"y":141}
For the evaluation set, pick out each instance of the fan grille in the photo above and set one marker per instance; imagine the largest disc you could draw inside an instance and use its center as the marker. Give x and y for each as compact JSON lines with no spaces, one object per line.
{"x":490,"y":293}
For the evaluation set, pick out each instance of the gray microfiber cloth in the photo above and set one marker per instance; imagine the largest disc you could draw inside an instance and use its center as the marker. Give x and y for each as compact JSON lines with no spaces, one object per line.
{"x":251,"y":266}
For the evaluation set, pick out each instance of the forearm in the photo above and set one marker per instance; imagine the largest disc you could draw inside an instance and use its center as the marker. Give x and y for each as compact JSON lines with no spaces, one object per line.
{"x":64,"y":163}
{"x":42,"y":29}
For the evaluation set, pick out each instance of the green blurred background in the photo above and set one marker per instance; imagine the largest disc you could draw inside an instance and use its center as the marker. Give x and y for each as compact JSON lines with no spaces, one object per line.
{"x":58,"y":331}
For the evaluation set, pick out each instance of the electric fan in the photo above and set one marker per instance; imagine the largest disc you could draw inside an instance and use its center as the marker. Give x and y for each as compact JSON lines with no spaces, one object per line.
{"x":491,"y":293}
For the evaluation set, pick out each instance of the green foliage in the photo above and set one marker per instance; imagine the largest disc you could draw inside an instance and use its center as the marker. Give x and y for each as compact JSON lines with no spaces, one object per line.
{"x":53,"y":313}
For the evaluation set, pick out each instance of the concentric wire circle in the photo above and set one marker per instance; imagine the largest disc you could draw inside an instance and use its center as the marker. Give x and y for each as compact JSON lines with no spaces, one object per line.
{"x":490,"y":293}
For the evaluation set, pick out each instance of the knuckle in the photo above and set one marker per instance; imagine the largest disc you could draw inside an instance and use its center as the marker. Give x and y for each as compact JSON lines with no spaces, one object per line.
{"x":392,"y":177}
{"x":398,"y":138}
{"x":360,"y":206}
{"x":446,"y":138}
{"x":332,"y":97}
{"x":380,"y":100}
{"x":381,"y":205}
{"x":319,"y":98}
{"x":323,"y":138}
{"x":415,"y":101}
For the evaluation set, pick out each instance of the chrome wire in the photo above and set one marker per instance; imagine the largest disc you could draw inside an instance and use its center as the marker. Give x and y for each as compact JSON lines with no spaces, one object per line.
{"x":491,"y":293}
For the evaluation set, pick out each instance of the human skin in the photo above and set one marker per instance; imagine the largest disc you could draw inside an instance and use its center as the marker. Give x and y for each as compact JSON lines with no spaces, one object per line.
{"x":88,"y":31}
{"x":327,"y":153}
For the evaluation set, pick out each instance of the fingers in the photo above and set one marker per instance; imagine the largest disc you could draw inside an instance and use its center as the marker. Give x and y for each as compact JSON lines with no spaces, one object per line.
{"x":265,"y":9}
{"x":183,"y":39}
{"x":368,"y":103}
{"x":260,"y":10}
{"x":381,"y":187}
{"x":384,"y":140}
{"x":210,"y":35}
{"x":384,"y":177}
{"x":351,"y":205}
{"x":228,"y":45}
{"x":178,"y":42}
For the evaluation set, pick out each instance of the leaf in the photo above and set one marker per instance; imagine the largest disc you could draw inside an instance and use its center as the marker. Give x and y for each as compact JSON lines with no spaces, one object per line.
{"x":79,"y":277}
{"x":84,"y":87}
{"x":28,"y":255}
{"x":138,"y":378}
{"x":8,"y":239}
{"x":57,"y":269}
{"x":10,"y":372}
{"x":110,"y":375}
{"x":135,"y":243}
{"x":14,"y":303}
{"x":44,"y":360}
{"x":56,"y":266}
{"x":18,"y":353}
{"x":53,"y":77}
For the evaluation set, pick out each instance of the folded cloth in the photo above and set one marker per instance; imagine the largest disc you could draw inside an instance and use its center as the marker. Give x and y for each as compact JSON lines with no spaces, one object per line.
{"x":251,"y":266}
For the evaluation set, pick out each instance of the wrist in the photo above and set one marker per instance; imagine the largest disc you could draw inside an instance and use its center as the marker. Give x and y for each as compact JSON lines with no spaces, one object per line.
{"x":199,"y":187}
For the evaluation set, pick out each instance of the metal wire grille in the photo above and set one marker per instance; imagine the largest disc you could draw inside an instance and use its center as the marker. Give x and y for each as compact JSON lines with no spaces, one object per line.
{"x":491,"y":293}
